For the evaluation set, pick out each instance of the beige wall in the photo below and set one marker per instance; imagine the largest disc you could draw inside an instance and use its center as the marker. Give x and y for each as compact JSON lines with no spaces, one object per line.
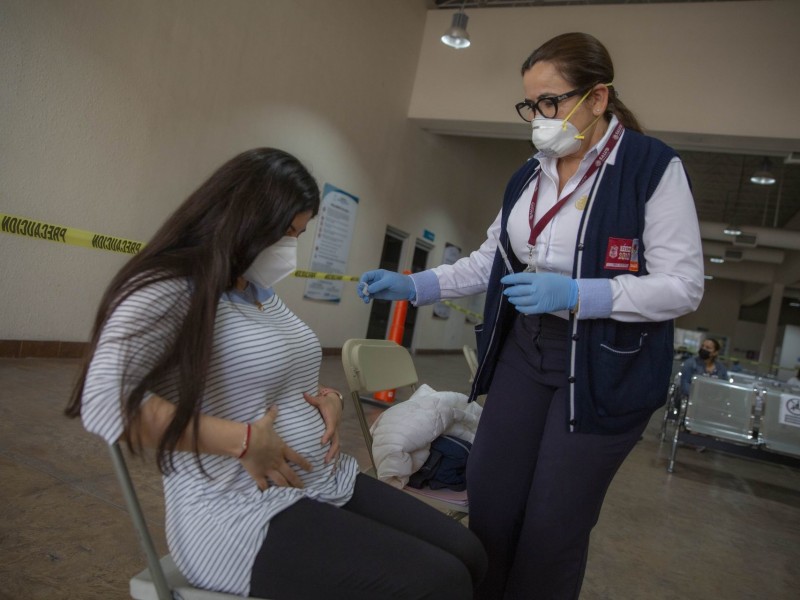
{"x":703,"y":68}
{"x":719,"y":315}
{"x":719,"y":311}
{"x":112,"y":111}
{"x":748,"y":336}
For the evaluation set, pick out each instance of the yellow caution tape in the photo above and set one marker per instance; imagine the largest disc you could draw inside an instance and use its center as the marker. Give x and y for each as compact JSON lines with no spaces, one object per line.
{"x":469,"y":313}
{"x":337,"y":277}
{"x":730,"y":359}
{"x":330,"y":276}
{"x":40,"y":230}
{"x":66,"y":235}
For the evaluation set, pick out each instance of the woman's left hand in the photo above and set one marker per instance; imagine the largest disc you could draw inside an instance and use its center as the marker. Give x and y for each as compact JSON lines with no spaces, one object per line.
{"x":330,"y":407}
{"x":537,"y":293}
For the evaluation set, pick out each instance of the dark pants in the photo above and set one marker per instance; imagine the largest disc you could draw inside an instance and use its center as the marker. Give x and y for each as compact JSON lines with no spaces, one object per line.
{"x":381,"y":544}
{"x":535,"y":490}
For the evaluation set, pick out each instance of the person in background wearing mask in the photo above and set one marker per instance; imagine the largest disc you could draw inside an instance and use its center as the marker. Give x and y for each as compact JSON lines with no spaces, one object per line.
{"x":193,"y":354}
{"x":705,"y":363}
{"x":595,"y":251}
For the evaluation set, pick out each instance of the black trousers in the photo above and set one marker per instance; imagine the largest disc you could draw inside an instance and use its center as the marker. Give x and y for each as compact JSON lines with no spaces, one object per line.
{"x":535,"y":490}
{"x":381,"y":544}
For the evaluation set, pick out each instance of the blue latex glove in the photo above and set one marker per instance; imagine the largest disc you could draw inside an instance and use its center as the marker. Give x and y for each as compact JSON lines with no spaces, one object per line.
{"x":536,"y":293}
{"x":385,"y":285}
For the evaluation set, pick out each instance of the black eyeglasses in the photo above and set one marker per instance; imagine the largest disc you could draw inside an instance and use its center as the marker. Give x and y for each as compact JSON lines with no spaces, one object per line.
{"x":546,"y":107}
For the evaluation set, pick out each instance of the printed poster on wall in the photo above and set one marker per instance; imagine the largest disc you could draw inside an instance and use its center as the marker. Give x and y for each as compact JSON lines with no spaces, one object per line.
{"x":451,"y":254}
{"x":335,"y":225}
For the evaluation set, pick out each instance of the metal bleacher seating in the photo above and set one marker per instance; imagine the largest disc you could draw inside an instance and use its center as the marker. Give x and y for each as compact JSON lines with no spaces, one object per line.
{"x":721,"y":409}
{"x":743,"y":415}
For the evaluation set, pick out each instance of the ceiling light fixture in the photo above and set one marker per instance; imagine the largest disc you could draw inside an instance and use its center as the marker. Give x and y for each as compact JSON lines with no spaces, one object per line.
{"x":732,"y":230}
{"x":794,"y":304}
{"x":457,"y":36}
{"x":708,"y":277}
{"x":764,"y":174}
{"x":717,"y":260}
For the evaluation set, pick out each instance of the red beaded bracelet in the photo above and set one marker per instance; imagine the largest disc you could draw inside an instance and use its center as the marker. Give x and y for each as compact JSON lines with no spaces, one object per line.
{"x":245,"y":443}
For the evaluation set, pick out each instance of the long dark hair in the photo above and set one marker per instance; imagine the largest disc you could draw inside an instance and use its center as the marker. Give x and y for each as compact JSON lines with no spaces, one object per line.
{"x":245,"y":206}
{"x":583,"y":61}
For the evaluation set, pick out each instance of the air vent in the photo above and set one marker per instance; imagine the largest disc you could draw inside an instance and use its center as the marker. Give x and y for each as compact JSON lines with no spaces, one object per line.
{"x":747,"y":240}
{"x":734,"y":255}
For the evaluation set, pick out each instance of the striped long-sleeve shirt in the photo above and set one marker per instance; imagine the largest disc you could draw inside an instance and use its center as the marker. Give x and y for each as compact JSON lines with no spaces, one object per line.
{"x":216,"y":524}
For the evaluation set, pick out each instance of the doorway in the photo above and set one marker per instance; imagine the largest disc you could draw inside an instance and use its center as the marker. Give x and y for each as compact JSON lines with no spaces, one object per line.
{"x":419,"y":262}
{"x":393,"y":241}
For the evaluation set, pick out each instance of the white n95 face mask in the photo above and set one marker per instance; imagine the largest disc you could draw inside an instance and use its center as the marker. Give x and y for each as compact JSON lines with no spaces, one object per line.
{"x":273,"y":263}
{"x":555,"y":138}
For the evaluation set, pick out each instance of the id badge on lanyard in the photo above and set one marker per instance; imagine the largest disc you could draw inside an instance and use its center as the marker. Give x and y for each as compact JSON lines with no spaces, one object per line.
{"x":538,"y":227}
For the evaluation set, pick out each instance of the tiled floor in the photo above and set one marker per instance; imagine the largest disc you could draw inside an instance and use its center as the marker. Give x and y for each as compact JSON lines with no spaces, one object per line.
{"x":719,"y":527}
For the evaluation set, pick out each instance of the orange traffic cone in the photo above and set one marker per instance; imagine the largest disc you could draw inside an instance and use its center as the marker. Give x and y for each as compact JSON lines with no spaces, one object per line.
{"x":396,"y":330}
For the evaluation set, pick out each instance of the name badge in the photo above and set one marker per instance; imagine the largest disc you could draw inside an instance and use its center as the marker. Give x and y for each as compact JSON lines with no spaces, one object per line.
{"x":622,"y":254}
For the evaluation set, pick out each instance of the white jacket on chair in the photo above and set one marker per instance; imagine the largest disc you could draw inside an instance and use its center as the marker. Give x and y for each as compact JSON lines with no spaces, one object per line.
{"x":403,"y":433}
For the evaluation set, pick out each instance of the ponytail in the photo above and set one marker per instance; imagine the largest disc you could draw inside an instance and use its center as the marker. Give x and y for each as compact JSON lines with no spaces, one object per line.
{"x":617,"y":108}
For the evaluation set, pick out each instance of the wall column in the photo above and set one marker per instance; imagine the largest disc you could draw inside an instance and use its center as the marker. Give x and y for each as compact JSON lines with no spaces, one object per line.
{"x":771,"y":330}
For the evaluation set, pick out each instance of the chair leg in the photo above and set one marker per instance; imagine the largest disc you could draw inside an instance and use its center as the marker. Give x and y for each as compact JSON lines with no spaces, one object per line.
{"x":669,"y":409}
{"x":153,"y":562}
{"x":678,"y":424}
{"x":456,"y":514}
{"x":671,"y":465}
{"x":362,"y":421}
{"x":664,"y":422}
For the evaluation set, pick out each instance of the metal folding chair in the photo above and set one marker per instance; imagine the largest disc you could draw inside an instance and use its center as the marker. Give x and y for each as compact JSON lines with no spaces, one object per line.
{"x":375,"y":365}
{"x":161,"y":580}
{"x":472,"y":360}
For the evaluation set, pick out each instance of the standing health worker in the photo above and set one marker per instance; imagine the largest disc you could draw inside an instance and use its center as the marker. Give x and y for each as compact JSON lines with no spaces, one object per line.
{"x":601,"y":234}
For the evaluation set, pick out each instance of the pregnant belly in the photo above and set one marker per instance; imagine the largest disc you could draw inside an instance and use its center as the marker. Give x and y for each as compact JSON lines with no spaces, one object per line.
{"x":301,"y":427}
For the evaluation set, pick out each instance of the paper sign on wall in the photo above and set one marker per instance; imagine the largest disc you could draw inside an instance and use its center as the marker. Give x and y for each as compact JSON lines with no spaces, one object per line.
{"x":332,"y":241}
{"x":790,"y":410}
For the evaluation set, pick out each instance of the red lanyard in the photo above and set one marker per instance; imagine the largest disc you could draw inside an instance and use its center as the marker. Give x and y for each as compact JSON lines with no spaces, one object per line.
{"x":548,"y":216}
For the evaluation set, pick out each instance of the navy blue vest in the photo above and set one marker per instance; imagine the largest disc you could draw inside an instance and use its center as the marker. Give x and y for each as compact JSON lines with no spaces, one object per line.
{"x":621,"y":370}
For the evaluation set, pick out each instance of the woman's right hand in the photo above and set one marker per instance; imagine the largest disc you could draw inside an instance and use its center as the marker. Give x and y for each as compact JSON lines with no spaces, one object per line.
{"x":268,"y":456}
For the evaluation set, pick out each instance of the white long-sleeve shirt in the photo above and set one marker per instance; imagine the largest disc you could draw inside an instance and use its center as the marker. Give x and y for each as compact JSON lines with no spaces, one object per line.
{"x":671,"y":238}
